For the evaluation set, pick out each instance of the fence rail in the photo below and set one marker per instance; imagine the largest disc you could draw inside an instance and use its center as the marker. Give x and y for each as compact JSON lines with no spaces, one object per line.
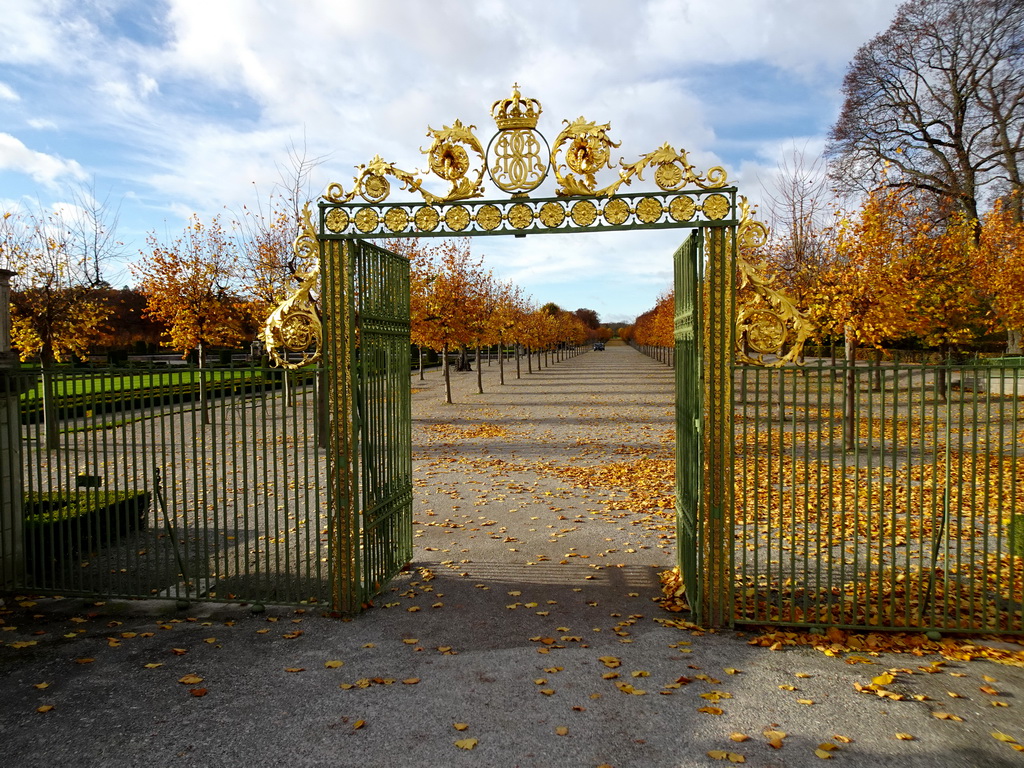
{"x":871,"y":497}
{"x":195,"y":484}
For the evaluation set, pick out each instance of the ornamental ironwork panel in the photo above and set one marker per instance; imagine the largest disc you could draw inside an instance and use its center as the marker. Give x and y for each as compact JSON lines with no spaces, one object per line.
{"x":522,"y":216}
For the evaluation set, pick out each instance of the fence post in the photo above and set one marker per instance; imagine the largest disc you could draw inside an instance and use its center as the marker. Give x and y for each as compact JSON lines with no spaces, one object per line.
{"x":12,"y":554}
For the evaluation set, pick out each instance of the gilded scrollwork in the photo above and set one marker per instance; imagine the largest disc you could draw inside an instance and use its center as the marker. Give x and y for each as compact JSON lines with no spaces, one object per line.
{"x":294,"y":326}
{"x":587,"y":150}
{"x":769,"y":323}
{"x":450,"y":157}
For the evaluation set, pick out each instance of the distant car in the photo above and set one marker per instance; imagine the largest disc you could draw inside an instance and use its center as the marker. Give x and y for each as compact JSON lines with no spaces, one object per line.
{"x":599,"y":346}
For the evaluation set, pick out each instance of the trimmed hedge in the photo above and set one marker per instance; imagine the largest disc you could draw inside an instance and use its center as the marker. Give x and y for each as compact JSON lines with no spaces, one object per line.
{"x":115,"y":401}
{"x":63,"y":524}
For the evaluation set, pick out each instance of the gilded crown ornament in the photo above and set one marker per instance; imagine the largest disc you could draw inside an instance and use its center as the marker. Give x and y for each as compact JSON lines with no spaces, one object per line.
{"x":515,"y":111}
{"x":517,"y":157}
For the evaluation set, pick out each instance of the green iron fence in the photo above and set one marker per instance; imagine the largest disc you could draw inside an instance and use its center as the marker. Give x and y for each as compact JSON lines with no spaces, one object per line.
{"x":876,"y":497}
{"x":184,"y":484}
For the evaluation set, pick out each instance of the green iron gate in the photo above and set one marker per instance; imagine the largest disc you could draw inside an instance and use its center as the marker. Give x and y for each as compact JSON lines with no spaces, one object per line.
{"x":366,"y":290}
{"x":365,"y":344}
{"x":688,"y":263}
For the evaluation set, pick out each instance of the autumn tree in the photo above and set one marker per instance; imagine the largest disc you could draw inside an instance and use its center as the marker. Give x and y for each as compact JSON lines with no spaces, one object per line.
{"x":446,"y":297}
{"x":588,"y":317}
{"x":999,"y":272}
{"x":56,"y":310}
{"x":798,"y":212}
{"x":507,"y":316}
{"x":188,"y":288}
{"x":938,"y":100}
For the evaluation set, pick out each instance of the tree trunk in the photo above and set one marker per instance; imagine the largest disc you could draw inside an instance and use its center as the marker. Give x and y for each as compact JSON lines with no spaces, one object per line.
{"x":849,"y":405}
{"x":1013,"y":341}
{"x":479,"y":372}
{"x":877,"y":387}
{"x":529,"y":360}
{"x":447,"y":375}
{"x":942,"y":377}
{"x":420,"y":349}
{"x":519,"y":368}
{"x":50,"y":426}
{"x":204,"y":408}
{"x":501,"y":362}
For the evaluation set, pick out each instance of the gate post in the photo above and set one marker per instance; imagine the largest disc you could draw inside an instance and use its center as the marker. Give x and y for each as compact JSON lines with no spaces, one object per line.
{"x":718,"y":504}
{"x":12,"y":555}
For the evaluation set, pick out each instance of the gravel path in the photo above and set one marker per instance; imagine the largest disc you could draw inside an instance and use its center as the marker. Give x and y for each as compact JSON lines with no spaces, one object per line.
{"x":527,"y":617}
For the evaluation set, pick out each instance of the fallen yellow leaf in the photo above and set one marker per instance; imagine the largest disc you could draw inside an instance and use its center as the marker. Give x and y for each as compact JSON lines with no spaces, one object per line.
{"x":711,"y":710}
{"x":41,"y":686}
{"x":823,"y":754}
{"x":946,"y":716}
{"x":561,"y":731}
{"x":738,"y":736}
{"x":44,"y":708}
{"x":904,"y":737}
{"x":1003,"y":737}
{"x":333,"y":664}
{"x":191,"y":679}
{"x":460,"y":726}
{"x":358,"y":724}
{"x":466,"y":743}
{"x":411,"y":680}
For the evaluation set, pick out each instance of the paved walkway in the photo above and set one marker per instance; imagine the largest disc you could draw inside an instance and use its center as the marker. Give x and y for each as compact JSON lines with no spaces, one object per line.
{"x":525,"y":632}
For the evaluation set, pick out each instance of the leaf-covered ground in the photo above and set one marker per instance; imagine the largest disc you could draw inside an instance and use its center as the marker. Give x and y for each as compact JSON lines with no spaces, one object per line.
{"x":529,"y":632}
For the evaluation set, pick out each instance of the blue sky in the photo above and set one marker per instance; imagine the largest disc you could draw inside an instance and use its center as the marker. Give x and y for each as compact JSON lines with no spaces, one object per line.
{"x":170,"y":107}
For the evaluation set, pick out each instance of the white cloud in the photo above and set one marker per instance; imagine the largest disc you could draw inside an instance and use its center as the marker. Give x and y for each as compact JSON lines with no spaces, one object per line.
{"x":7,"y":93}
{"x":187,"y":114}
{"x":43,"y":168}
